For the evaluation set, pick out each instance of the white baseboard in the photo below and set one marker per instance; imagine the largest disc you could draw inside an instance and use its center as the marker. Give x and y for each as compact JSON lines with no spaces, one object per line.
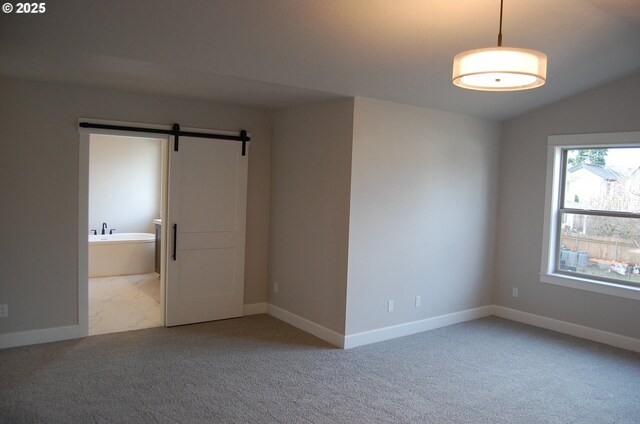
{"x":569,"y":328}
{"x":255,"y":308}
{"x":400,"y":330}
{"x":310,"y":327}
{"x":45,"y":335}
{"x":380,"y":334}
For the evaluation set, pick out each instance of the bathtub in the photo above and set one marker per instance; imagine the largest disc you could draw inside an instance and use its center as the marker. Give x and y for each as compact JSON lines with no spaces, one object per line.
{"x":121,"y":254}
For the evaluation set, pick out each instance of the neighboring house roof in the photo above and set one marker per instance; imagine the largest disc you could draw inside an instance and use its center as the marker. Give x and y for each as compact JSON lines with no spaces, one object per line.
{"x":601,"y":171}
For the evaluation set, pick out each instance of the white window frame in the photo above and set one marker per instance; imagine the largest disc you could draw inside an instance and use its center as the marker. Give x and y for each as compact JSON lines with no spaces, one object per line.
{"x":555,"y":145}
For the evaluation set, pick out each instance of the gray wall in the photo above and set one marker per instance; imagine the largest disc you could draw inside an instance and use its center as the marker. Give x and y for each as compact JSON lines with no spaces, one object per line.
{"x":311,"y":165}
{"x":611,"y":108}
{"x":423,"y":212}
{"x":413,"y":214}
{"x":39,"y":190}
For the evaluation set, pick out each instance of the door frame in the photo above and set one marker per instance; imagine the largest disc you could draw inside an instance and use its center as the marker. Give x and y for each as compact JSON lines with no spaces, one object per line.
{"x":83,"y":209}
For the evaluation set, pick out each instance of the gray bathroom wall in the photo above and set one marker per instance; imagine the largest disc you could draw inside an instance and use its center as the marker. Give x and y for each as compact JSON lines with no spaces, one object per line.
{"x":125,"y":175}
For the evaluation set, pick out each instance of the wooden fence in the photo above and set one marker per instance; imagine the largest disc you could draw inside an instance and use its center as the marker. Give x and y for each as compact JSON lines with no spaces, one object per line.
{"x":605,"y":248}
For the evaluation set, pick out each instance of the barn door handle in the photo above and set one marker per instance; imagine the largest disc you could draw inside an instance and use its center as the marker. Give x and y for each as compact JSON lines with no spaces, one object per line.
{"x":175,"y":241}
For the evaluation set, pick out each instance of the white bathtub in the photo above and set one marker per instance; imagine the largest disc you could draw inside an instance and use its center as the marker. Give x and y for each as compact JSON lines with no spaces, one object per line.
{"x":121,"y":254}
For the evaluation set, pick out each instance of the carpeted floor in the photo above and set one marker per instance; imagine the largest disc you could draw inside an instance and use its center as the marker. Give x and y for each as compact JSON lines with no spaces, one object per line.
{"x":260,"y":370}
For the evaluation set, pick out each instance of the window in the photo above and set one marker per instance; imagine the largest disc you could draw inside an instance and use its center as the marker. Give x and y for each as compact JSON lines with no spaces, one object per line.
{"x":592,"y":218}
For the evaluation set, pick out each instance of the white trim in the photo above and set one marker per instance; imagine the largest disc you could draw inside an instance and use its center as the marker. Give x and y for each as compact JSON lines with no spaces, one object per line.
{"x":400,"y":330}
{"x":569,"y":328}
{"x":614,"y":139}
{"x":550,"y":210}
{"x":45,"y":335}
{"x":255,"y":308}
{"x":307,"y":326}
{"x":601,"y":287}
{"x":83,"y":230}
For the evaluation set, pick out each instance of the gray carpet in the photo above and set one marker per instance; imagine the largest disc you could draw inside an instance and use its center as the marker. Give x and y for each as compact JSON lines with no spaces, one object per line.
{"x":260,"y":370}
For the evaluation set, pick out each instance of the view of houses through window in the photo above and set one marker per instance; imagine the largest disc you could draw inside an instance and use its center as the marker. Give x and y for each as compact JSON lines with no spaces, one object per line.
{"x":600,"y":214}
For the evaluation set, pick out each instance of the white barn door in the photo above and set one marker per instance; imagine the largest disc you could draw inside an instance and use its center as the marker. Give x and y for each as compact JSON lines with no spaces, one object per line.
{"x":206,"y":231}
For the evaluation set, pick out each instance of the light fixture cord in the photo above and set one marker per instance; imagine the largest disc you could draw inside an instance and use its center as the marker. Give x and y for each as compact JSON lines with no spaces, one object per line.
{"x":500,"y":33}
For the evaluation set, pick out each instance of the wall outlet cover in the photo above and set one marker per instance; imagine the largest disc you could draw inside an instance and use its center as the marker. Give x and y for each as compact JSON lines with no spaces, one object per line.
{"x":4,"y":311}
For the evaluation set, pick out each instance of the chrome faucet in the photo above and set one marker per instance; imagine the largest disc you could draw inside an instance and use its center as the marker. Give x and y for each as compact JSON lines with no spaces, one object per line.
{"x":104,"y":228}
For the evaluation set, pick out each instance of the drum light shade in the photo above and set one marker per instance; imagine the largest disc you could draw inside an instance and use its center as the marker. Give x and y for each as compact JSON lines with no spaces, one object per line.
{"x":500,"y":69}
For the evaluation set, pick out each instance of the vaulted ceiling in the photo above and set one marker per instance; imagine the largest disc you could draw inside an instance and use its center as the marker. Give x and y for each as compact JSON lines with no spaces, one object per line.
{"x":276,"y":53}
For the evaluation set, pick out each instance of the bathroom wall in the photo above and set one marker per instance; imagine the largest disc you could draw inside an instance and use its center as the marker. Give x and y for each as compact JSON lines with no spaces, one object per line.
{"x":124,"y":183}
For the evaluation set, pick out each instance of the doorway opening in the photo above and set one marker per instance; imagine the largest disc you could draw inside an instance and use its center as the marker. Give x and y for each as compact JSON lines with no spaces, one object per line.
{"x":202,"y":218}
{"x":126,"y":198}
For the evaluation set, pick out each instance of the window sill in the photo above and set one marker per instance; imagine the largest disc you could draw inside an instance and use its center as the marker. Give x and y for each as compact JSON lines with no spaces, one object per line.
{"x":591,"y":285}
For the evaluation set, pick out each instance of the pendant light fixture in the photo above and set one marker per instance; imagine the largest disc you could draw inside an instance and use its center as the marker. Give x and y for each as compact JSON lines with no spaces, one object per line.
{"x":500,"y":68}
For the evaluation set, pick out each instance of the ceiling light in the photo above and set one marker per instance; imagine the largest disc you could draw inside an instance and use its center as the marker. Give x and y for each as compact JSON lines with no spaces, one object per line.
{"x":500,"y":68}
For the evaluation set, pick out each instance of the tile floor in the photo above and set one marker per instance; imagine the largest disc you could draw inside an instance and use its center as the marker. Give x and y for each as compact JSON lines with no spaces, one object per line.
{"x":123,"y":303}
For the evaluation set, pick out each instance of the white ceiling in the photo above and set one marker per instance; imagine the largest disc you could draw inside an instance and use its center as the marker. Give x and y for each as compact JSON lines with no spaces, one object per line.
{"x":276,"y":53}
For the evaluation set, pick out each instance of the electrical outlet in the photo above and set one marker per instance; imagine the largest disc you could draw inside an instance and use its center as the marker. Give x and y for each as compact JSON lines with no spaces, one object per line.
{"x":275,"y":287}
{"x":418,"y":301}
{"x":390,"y":306}
{"x":4,"y":311}
{"x":515,"y":292}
